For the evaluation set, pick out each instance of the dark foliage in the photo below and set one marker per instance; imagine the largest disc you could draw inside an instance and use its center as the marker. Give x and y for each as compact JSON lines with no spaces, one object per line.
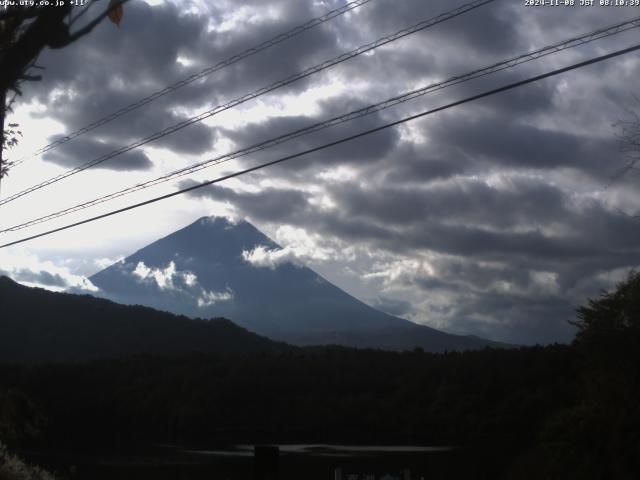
{"x":328,"y":395}
{"x":612,"y":318}
{"x":20,"y":419}
{"x":603,"y":429}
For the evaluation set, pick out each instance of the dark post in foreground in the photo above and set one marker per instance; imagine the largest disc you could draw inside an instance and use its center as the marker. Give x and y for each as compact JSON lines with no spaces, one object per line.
{"x":265,"y":462}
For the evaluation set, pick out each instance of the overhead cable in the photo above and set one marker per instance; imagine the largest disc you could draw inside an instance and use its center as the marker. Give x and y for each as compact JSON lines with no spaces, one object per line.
{"x":502,"y":65}
{"x":197,"y":76}
{"x":325,"y":146}
{"x":257,"y":93}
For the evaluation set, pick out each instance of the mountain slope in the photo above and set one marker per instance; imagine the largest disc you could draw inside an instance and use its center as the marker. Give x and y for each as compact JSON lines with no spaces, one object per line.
{"x":200,"y":270}
{"x":39,"y":325}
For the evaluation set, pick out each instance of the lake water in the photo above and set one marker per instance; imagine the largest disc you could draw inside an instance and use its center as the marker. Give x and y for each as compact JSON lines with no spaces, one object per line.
{"x":295,"y":462}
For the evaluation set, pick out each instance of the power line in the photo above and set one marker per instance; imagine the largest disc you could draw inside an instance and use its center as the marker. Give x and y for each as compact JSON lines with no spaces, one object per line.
{"x":197,"y":76}
{"x":257,"y":93}
{"x":336,"y":142}
{"x":481,"y":72}
{"x":527,"y":57}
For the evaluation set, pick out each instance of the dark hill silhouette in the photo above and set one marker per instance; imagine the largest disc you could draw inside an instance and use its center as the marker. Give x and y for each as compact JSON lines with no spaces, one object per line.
{"x":39,"y":325}
{"x":287,"y":302}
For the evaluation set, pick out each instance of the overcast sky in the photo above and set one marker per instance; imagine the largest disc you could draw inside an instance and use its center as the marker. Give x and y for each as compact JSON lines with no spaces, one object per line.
{"x":496,"y":218}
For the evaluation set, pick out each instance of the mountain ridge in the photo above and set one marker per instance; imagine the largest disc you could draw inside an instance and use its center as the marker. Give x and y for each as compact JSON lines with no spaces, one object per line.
{"x":40,"y":325}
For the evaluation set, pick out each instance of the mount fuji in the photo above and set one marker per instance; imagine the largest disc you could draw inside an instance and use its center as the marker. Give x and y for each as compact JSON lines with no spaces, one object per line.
{"x":202,"y":271}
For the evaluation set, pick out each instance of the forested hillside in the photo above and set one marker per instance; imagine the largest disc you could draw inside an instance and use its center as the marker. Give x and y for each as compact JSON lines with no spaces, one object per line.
{"x":44,"y":326}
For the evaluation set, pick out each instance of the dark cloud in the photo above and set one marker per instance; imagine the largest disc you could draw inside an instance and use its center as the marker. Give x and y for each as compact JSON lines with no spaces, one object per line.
{"x":530,"y":222}
{"x":106,"y":64}
{"x":399,"y":308}
{"x":487,"y":298}
{"x":368,"y":149}
{"x":523,"y":202}
{"x":519,"y":318}
{"x":487,"y":29}
{"x":42,"y":277}
{"x":506,"y":142}
{"x":421,"y":165}
{"x":92,"y":78}
{"x":262,"y":206}
{"x":518,"y":103}
{"x":113,"y":68}
{"x":83,"y":150}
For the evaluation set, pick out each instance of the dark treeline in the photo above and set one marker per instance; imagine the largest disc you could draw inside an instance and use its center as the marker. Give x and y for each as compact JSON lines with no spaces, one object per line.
{"x":329,"y":395}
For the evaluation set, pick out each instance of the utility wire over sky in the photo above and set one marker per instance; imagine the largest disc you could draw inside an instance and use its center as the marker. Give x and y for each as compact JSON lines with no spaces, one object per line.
{"x":197,"y":76}
{"x":424,"y":24}
{"x":473,"y":98}
{"x":481,"y":72}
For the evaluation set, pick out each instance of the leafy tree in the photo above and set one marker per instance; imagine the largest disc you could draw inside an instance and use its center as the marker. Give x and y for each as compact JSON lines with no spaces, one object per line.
{"x":601,"y":433}
{"x":629,"y":137}
{"x":25,"y":31}
{"x":609,"y":326}
{"x":9,"y":139}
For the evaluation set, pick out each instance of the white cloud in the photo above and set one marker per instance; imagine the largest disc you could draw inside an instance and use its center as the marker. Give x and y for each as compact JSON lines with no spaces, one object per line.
{"x":210,"y":298}
{"x":28,"y":269}
{"x":300,"y":248}
{"x":306,"y":246}
{"x":165,"y":277}
{"x":105,"y":262}
{"x":190,"y":278}
{"x":142,"y":271}
{"x":85,"y":284}
{"x":400,"y":271}
{"x":264,"y":257}
{"x":170,"y":278}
